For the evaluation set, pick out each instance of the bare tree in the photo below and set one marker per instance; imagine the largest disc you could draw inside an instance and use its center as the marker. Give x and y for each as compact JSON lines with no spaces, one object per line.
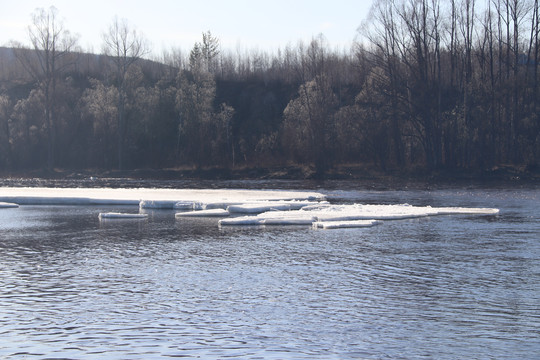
{"x":6,"y":108}
{"x":125,"y":46}
{"x":98,"y":107}
{"x":307,"y":122}
{"x":210,"y":51}
{"x":52,"y":45}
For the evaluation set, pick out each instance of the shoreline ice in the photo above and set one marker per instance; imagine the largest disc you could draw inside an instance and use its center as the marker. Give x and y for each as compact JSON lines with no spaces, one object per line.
{"x":158,"y":198}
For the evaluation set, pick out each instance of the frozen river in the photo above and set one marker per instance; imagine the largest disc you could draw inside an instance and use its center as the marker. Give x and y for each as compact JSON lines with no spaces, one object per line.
{"x":446,"y":286}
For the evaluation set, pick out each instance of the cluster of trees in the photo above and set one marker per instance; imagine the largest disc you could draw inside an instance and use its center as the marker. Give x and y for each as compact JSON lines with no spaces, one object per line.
{"x":459,"y":89}
{"x":428,"y":83}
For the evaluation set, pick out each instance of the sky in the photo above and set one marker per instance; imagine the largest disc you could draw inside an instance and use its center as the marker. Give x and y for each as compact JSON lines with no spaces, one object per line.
{"x":172,"y":24}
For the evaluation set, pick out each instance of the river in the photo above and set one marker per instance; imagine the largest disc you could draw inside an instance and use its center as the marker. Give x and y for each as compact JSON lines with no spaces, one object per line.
{"x":445,"y":287}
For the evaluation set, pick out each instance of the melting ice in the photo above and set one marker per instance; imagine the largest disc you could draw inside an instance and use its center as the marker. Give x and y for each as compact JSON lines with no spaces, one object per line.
{"x":234,"y":207}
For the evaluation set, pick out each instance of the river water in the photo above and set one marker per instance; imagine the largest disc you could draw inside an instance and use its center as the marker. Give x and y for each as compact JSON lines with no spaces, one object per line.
{"x":445,"y":287}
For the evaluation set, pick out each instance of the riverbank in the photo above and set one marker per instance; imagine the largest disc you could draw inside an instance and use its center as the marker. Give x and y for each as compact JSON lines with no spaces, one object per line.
{"x":365,"y":176}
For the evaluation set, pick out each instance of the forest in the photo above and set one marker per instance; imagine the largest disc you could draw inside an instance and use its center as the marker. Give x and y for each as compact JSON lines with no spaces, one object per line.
{"x":428,"y":84}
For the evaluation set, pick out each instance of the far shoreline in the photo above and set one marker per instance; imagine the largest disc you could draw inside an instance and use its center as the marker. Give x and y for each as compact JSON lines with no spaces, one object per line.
{"x":365,"y":177}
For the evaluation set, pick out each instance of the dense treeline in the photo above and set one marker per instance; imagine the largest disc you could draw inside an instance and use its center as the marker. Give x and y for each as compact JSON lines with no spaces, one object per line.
{"x":429,"y":84}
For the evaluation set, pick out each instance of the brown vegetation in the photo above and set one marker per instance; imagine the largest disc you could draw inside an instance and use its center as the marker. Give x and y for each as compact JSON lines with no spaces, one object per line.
{"x":419,"y":91}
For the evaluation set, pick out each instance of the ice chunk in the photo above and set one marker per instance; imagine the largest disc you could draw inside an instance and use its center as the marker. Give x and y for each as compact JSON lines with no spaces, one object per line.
{"x":117,"y":215}
{"x":346,"y":213}
{"x":173,"y":205}
{"x":157,"y":204}
{"x":345,"y":224}
{"x":188,"y":205}
{"x":263,"y":206}
{"x":377,"y":212}
{"x":298,"y":217}
{"x":241,"y":220}
{"x":217,"y":205}
{"x":202,"y":213}
{"x":466,"y":211}
{"x":290,"y":220}
{"x":106,"y":196}
{"x":5,"y":205}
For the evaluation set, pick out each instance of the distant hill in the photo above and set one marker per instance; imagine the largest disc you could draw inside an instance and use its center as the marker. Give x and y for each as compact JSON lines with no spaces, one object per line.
{"x":84,"y":64}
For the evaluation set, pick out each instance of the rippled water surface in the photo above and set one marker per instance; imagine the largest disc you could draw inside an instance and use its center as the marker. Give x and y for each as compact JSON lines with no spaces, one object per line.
{"x":443,"y":287}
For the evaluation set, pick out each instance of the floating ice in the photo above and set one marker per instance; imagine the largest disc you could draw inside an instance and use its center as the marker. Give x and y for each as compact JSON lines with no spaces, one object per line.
{"x":117,"y":215}
{"x":177,"y":205}
{"x":170,"y":205}
{"x":243,"y":220}
{"x":5,"y":205}
{"x":203,"y":213}
{"x":188,"y":205}
{"x":325,"y":212}
{"x":466,"y":211}
{"x":263,"y":206}
{"x":345,"y":224}
{"x":273,"y":218}
{"x":156,"y":204}
{"x":159,"y":198}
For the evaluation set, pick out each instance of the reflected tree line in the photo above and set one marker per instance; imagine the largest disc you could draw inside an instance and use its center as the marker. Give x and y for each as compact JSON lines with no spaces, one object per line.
{"x":428,"y":84}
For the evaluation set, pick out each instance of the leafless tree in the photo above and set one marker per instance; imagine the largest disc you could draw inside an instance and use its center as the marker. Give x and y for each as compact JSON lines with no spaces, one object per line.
{"x":125,"y":46}
{"x":52,"y":45}
{"x":6,"y":108}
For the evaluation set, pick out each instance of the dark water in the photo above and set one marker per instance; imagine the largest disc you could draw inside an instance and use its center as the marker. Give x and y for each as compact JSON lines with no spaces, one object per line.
{"x":446,"y":287}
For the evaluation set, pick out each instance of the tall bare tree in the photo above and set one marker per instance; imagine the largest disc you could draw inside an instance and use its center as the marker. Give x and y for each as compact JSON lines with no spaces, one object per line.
{"x":125,"y":46}
{"x":210,"y":51}
{"x":52,"y":45}
{"x":6,"y":108}
{"x":205,"y":130}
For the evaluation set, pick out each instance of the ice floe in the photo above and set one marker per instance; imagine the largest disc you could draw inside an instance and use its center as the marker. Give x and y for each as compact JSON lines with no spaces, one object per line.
{"x":235,"y":207}
{"x":298,"y":217}
{"x":325,"y":212}
{"x":345,"y":224}
{"x":149,"y":198}
{"x":263,"y":206}
{"x":170,"y":205}
{"x":203,"y":213}
{"x":5,"y":205}
{"x":117,"y":215}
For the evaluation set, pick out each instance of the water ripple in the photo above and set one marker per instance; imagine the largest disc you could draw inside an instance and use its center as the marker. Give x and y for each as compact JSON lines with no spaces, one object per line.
{"x":445,"y":287}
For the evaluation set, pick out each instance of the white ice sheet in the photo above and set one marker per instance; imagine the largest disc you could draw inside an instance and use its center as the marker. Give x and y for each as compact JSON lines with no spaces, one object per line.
{"x":354,"y":212}
{"x":345,"y":224}
{"x":203,"y":213}
{"x":5,"y":205}
{"x":117,"y":215}
{"x":212,"y":198}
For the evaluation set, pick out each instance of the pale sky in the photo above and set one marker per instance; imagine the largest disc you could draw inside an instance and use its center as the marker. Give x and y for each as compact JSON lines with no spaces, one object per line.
{"x":166,"y":24}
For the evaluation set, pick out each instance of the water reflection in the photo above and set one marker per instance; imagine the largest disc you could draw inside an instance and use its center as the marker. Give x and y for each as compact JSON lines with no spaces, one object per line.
{"x":440,"y":287}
